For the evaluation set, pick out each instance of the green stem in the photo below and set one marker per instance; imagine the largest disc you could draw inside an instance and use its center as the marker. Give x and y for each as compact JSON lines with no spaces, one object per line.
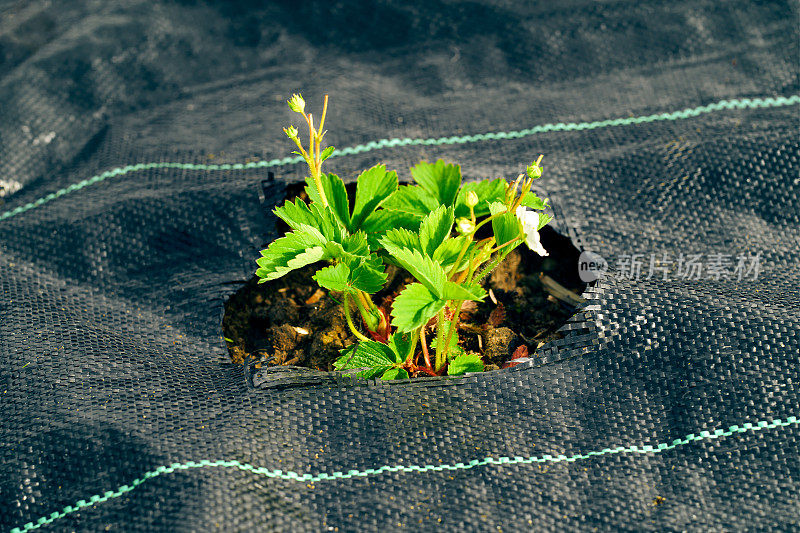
{"x":461,"y":255}
{"x":311,"y":136}
{"x":312,"y":159}
{"x":371,"y":308}
{"x":357,"y":333}
{"x":414,"y":337}
{"x":470,"y":237}
{"x":441,"y":348}
{"x":471,"y":270}
{"x":453,"y":325}
{"x":525,"y":187}
{"x":302,"y":150}
{"x":488,"y":268}
{"x":511,"y":193}
{"x":512,"y":241}
{"x":325,"y":112}
{"x":367,"y":300}
{"x":318,"y":182}
{"x":484,"y":221}
{"x":495,"y":262}
{"x":475,"y":262}
{"x":366,"y":313}
{"x":454,"y":322}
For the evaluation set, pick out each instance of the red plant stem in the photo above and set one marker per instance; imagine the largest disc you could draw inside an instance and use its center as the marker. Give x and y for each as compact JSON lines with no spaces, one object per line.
{"x":385,"y":324}
{"x":424,"y":344}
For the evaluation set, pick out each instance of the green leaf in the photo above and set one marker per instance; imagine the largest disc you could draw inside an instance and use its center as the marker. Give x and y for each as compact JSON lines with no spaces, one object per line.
{"x":373,"y":372}
{"x":346,"y":353}
{"x":423,"y":268}
{"x":449,"y":251}
{"x":312,"y":192}
{"x":328,"y":223}
{"x":454,"y":351}
{"x":334,"y":250}
{"x":497,"y":207}
{"x":378,"y":223}
{"x":506,"y":227}
{"x":307,"y":257}
{"x":353,"y":251}
{"x":534,"y":202}
{"x":435,"y":228}
{"x":326,"y":153}
{"x":296,"y":214}
{"x":488,"y":191}
{"x":335,"y":193}
{"x":544,"y":219}
{"x":400,"y":343}
{"x":297,"y":249}
{"x":373,"y":187}
{"x":403,"y":238}
{"x":375,"y":261}
{"x":454,"y":291}
{"x":469,"y":362}
{"x":334,"y":278}
{"x":412,"y":200}
{"x":294,"y":241}
{"x":395,"y":373}
{"x":370,"y":357}
{"x":439,"y":180}
{"x":414,"y":307}
{"x":356,"y":244}
{"x":276,"y":270}
{"x":366,"y":277}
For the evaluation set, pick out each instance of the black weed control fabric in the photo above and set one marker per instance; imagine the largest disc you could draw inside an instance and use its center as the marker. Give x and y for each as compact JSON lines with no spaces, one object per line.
{"x":670,"y":404}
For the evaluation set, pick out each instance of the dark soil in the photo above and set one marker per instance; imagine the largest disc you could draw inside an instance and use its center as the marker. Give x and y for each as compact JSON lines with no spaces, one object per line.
{"x":291,"y":321}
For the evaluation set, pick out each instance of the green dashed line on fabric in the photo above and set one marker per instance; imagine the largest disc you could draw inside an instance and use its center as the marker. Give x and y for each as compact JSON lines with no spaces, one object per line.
{"x":312,"y":478}
{"x":744,"y":103}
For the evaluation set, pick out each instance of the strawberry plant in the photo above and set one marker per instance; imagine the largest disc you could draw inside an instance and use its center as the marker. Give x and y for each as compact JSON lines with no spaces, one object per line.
{"x":429,"y":229}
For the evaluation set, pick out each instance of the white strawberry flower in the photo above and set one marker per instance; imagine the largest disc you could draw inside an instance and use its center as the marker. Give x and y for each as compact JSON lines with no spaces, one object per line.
{"x":464,"y":225}
{"x":530,"y":225}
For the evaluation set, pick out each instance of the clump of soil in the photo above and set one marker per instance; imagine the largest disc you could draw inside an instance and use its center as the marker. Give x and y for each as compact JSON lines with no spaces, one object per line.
{"x":291,"y":321}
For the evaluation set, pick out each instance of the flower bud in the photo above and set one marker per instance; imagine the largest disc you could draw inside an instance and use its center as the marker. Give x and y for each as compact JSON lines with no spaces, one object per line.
{"x":534,"y":171}
{"x":296,"y":103}
{"x":290,"y":132}
{"x":464,"y":225}
{"x":472,"y":199}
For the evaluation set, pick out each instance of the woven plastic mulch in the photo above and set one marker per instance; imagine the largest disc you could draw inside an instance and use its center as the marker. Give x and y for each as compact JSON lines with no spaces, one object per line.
{"x":134,"y":139}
